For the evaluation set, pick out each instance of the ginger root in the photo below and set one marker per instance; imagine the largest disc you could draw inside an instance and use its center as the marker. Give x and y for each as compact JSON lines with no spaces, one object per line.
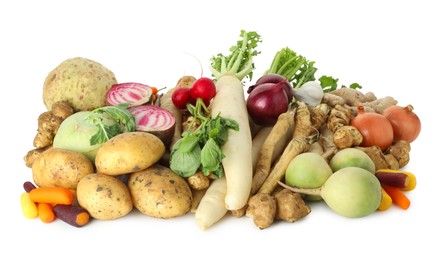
{"x":394,"y":157}
{"x":401,"y":152}
{"x":377,"y":156}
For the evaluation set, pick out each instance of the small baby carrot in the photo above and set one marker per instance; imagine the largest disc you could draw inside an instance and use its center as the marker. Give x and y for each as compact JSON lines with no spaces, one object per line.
{"x":28,"y":186}
{"x":386,"y":201}
{"x":73,"y":215}
{"x":52,"y":195}
{"x":29,"y":208}
{"x":393,"y":175}
{"x":46,"y":213}
{"x":398,"y":197}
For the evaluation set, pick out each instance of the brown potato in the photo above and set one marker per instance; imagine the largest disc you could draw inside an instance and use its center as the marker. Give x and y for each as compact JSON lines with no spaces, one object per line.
{"x":159,"y":192}
{"x":60,"y":168}
{"x":129,"y":152}
{"x":104,"y":197}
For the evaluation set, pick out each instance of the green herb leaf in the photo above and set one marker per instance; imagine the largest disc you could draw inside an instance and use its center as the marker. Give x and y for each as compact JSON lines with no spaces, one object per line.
{"x":355,"y":86}
{"x":328,"y":83}
{"x":188,"y":143}
{"x":211,"y":134}
{"x":121,"y":118}
{"x":211,"y":157}
{"x":185,"y":164}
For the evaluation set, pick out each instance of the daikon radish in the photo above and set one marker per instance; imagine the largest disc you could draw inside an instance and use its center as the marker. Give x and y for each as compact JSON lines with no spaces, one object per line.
{"x":230,"y":103}
{"x":212,"y":205}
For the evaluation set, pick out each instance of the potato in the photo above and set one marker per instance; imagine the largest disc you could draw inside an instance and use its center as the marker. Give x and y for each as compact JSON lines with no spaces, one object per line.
{"x":159,"y":192}
{"x":104,"y":197}
{"x":129,"y":152}
{"x":60,"y":168}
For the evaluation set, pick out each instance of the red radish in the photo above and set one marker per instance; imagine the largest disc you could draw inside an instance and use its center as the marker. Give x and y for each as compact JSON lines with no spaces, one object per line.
{"x":180,"y":97}
{"x":203,"y":88}
{"x":155,"y":120}
{"x":130,"y":92}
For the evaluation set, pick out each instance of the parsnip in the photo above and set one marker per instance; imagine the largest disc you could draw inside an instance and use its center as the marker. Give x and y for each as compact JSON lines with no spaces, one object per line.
{"x":229,"y":102}
{"x":212,"y":205}
{"x":258,"y":141}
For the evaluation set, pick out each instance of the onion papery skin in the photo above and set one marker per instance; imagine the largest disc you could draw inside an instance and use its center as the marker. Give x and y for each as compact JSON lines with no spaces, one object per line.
{"x":375,"y":128}
{"x":406,"y":123}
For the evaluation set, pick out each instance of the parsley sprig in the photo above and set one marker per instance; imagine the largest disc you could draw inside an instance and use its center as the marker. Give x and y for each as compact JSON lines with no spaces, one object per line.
{"x":200,"y":148}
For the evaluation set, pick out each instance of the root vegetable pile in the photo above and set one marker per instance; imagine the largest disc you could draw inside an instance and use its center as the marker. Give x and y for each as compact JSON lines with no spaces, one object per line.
{"x":212,"y":146}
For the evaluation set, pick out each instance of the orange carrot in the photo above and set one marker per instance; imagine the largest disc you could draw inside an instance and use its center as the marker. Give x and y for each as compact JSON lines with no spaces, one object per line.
{"x":386,"y":201}
{"x":398,"y":197}
{"x":29,"y":208}
{"x":52,"y":195}
{"x":46,"y":213}
{"x":73,"y":215}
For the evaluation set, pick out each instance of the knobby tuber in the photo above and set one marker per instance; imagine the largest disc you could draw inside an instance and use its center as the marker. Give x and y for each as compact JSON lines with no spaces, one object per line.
{"x":290,"y":206}
{"x":48,"y":124}
{"x":262,"y":208}
{"x":344,"y":135}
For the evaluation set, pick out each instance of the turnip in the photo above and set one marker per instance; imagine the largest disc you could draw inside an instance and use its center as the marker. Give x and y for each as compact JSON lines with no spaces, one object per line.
{"x":75,"y":133}
{"x":307,"y":170}
{"x":352,"y":157}
{"x":351,"y":192}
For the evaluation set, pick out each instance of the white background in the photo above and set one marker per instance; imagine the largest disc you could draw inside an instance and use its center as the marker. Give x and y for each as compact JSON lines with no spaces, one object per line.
{"x":389,"y":47}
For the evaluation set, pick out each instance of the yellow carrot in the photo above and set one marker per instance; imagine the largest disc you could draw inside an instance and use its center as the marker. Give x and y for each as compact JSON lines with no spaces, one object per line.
{"x":386,"y":201}
{"x":29,"y":208}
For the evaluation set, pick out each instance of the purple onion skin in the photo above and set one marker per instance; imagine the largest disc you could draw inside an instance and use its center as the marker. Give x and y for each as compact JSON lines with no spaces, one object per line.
{"x":273,"y":78}
{"x":266,"y":102}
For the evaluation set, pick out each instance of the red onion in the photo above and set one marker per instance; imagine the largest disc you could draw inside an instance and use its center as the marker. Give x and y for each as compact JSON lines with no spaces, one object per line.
{"x":267,"y":101}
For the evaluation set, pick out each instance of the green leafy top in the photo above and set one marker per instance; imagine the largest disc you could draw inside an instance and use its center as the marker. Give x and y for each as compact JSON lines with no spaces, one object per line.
{"x":328,"y":84}
{"x":200,"y":148}
{"x":121,"y":118}
{"x":296,"y":68}
{"x":240,"y":61}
